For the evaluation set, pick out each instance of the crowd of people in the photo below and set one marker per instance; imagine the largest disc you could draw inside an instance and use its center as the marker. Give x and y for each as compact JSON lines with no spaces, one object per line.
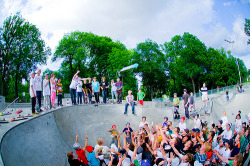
{"x":221,"y":144}
{"x":81,"y":91}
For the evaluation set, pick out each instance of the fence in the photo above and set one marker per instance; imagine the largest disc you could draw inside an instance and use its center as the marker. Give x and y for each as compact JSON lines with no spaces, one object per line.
{"x":13,"y":102}
{"x":197,"y":95}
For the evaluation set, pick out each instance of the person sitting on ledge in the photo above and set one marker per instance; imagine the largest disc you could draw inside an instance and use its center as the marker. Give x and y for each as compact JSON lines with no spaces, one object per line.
{"x":130,"y":101}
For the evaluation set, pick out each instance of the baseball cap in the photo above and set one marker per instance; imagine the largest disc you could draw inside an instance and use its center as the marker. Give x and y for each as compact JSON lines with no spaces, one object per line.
{"x":139,"y":150}
{"x":89,"y":149}
{"x":221,"y":121}
{"x":185,"y":90}
{"x":166,"y":147}
{"x":76,"y":146}
{"x":113,"y":126}
{"x":127,"y":123}
{"x":197,"y":130}
{"x":166,"y":117}
{"x":94,"y":78}
{"x":186,"y":130}
{"x":183,"y":118}
{"x":194,"y":130}
{"x":175,"y":94}
{"x":145,"y":162}
{"x":58,"y":78}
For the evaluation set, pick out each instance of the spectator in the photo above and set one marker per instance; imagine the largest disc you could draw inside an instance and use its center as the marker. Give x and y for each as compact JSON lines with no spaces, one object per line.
{"x":92,"y":157}
{"x":113,"y":91}
{"x":182,"y":125}
{"x":46,"y":93}
{"x":165,"y":121}
{"x":224,"y":120}
{"x":176,"y":103}
{"x":140,"y":97}
{"x":72,"y":161}
{"x":185,"y":104}
{"x":81,"y":152}
{"x":238,"y":123}
{"x":38,"y":83}
{"x":53,"y":89}
{"x":114,"y":134}
{"x":130,"y":101}
{"x":197,"y":122}
{"x":96,"y":90}
{"x":73,"y":87}
{"x":59,"y":89}
{"x":128,"y":131}
{"x":104,"y":87}
{"x":191,"y":101}
{"x":79,"y":91}
{"x":32,"y":91}
{"x":119,"y":86}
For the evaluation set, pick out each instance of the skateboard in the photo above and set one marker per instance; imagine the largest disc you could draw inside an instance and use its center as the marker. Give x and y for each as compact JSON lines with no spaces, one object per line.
{"x":20,"y":111}
{"x":96,"y":105}
{"x":7,"y":113}
{"x":18,"y":118}
{"x":4,"y":121}
{"x":29,"y":115}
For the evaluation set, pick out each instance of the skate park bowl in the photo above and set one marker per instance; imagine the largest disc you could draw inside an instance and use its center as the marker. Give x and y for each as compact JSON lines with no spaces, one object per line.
{"x":44,"y":140}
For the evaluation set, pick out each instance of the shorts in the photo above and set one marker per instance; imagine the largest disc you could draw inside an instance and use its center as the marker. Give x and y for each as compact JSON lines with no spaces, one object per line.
{"x":53,"y":97}
{"x":204,"y":97}
{"x":141,"y":102}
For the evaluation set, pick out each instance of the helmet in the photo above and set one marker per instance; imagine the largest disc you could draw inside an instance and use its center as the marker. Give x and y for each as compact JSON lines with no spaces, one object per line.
{"x":76,"y":146}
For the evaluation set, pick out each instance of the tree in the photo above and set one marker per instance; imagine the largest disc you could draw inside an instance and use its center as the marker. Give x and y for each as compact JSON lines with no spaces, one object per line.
{"x":247,"y":28}
{"x":22,"y":50}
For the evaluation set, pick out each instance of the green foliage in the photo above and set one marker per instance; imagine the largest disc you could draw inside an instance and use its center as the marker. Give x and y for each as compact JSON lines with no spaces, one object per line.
{"x":22,"y":49}
{"x":247,"y":28}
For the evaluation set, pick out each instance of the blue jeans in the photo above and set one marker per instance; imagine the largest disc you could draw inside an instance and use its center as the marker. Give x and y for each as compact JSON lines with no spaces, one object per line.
{"x":132,"y":105}
{"x":39,"y":96}
{"x":114,"y":94}
{"x":73,"y":95}
{"x":79,"y":96}
{"x":90,"y":97}
{"x":104,"y":96}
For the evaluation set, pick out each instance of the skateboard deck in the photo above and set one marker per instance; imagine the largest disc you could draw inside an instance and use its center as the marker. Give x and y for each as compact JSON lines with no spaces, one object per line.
{"x":20,"y":111}
{"x":17,"y":119}
{"x":29,"y":115}
{"x":4,"y":121}
{"x":7,"y":113}
{"x":96,"y":105}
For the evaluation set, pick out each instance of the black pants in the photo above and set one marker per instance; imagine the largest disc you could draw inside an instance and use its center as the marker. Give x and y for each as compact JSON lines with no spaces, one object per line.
{"x":59,"y":99}
{"x":186,"y":111}
{"x":119,"y":97}
{"x":33,"y":104}
{"x":39,"y":97}
{"x":96,"y":96}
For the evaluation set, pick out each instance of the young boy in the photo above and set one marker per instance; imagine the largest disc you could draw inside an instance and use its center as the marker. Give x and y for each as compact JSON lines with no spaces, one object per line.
{"x":140,"y":97}
{"x":191,"y":102}
{"x":114,"y":134}
{"x":81,"y":152}
{"x":127,"y":130}
{"x":38,"y":87}
{"x":46,"y":93}
{"x":92,"y":157}
{"x":79,"y":91}
{"x":72,"y":161}
{"x":227,"y":96}
{"x":176,"y":103}
{"x":59,"y":89}
{"x":32,"y":91}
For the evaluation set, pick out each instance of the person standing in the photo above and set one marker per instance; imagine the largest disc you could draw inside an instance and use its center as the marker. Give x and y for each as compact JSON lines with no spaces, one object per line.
{"x":38,"y":83}
{"x":46,"y":92}
{"x":73,"y":88}
{"x":79,"y":91}
{"x":119,"y":85}
{"x":96,"y":89}
{"x":104,"y":87}
{"x":53,"y":89}
{"x":185,"y":103}
{"x":59,"y":89}
{"x":89,"y":90}
{"x":32,"y":91}
{"x":130,"y":101}
{"x":140,"y":97}
{"x":204,"y":94}
{"x":191,"y":102}
{"x":113,"y":91}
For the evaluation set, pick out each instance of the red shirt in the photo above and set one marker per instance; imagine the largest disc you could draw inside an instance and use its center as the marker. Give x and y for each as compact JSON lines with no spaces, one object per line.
{"x":82,"y":156}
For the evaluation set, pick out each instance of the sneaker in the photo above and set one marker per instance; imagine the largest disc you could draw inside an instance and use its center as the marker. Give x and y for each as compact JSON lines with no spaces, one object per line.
{"x":35,"y":113}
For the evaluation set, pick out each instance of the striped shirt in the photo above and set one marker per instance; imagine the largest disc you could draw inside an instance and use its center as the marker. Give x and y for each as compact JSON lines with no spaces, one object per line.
{"x":118,"y":85}
{"x":200,"y":158}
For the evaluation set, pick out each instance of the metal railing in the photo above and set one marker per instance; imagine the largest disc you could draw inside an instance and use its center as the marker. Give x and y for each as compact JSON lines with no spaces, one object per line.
{"x":197,"y":95}
{"x":13,"y":102}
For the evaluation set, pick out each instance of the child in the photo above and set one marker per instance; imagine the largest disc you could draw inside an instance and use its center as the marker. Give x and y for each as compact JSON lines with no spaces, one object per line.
{"x":176,"y":103}
{"x":85,"y":96}
{"x":227,"y":96}
{"x":140,"y":97}
{"x":81,"y":152}
{"x":46,"y":93}
{"x":59,"y":89}
{"x":38,"y":81}
{"x":71,"y":159}
{"x":114,"y":134}
{"x":53,"y":89}
{"x":79,"y":91}
{"x":32,"y":92}
{"x":92,"y":157}
{"x":191,"y":101}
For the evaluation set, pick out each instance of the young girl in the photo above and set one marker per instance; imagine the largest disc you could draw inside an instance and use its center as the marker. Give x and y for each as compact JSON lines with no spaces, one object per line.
{"x":85,"y":96}
{"x":53,"y":90}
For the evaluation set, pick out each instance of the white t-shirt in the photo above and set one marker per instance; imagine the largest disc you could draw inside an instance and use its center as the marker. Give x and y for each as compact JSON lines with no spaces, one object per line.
{"x":182,"y":126}
{"x":73,"y":83}
{"x":46,"y":89}
{"x":79,"y":86}
{"x":238,"y":125}
{"x":53,"y":86}
{"x":197,"y":123}
{"x":226,"y":154}
{"x":113,"y":87}
{"x":214,"y":143}
{"x":33,"y":84}
{"x":227,"y":134}
{"x":221,"y":151}
{"x":38,"y":80}
{"x":138,"y":156}
{"x":225,"y":121}
{"x":142,"y":124}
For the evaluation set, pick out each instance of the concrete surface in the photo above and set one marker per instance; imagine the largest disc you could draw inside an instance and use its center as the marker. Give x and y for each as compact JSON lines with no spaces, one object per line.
{"x":45,"y":139}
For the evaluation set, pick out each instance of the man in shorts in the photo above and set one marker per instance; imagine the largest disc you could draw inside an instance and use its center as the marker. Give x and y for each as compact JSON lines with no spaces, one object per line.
{"x":204,"y":94}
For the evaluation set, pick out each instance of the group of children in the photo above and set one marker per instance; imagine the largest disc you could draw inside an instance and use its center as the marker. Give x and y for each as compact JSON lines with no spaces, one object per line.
{"x":166,"y":145}
{"x":47,"y":87}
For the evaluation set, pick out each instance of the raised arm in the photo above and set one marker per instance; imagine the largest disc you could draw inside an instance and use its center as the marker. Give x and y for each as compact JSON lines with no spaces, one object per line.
{"x":86,"y":142}
{"x":174,"y":149}
{"x":221,"y":157}
{"x":77,"y":137}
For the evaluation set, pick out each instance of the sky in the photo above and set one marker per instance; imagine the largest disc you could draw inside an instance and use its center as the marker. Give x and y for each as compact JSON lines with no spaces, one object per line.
{"x":134,"y":21}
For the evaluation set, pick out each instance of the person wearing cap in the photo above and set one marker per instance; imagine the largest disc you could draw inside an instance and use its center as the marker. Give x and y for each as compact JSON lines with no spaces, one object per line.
{"x":130,"y":101}
{"x":185,"y":103}
{"x":72,"y":87}
{"x":38,"y":83}
{"x":165,"y":121}
{"x":104,"y":87}
{"x":113,"y":91}
{"x":46,"y":93}
{"x":140,"y":97}
{"x":176,"y":103}
{"x":53,"y":89}
{"x":59,"y":89}
{"x":204,"y":95}
{"x":32,"y":91}
{"x":92,"y":156}
{"x":96,"y":89}
{"x":119,"y":86}
{"x":128,"y":131}
{"x":182,"y":124}
{"x":81,"y":152}
{"x":114,"y":134}
{"x":191,"y":102}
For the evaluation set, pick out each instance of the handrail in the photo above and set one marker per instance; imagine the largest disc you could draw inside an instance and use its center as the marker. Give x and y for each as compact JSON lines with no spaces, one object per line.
{"x":11,"y":104}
